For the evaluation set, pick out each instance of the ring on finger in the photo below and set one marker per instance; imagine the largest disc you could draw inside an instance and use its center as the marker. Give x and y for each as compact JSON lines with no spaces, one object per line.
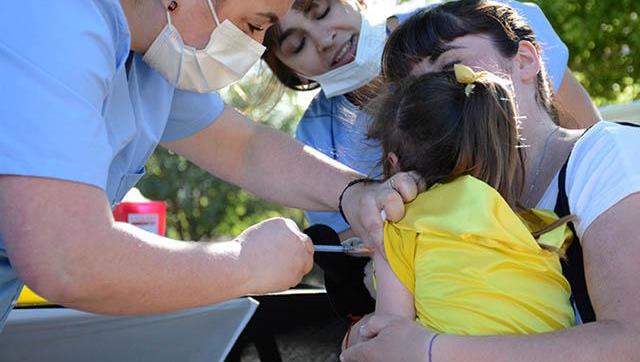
{"x":362,"y":329}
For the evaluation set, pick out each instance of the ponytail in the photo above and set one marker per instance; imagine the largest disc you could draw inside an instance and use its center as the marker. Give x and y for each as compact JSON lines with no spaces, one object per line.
{"x":443,"y":128}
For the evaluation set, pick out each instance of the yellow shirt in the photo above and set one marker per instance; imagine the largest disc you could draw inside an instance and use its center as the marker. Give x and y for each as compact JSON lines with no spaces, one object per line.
{"x":473,"y":266}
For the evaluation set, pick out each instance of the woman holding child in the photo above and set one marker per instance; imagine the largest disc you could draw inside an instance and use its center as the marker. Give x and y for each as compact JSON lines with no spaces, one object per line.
{"x":466,"y":258}
{"x":306,"y":50}
{"x":600,"y":181}
{"x":592,"y":171}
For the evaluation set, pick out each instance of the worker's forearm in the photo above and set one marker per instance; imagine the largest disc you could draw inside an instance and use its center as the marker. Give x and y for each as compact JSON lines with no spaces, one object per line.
{"x":284,"y":171}
{"x":266,"y":162}
{"x":129,"y":271}
{"x":62,"y":241}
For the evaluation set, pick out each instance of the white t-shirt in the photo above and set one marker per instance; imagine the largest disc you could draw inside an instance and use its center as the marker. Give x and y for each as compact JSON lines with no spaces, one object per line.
{"x":603,"y":169}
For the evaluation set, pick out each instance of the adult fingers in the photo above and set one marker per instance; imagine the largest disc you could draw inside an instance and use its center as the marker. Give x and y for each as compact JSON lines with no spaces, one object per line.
{"x":405,"y":184}
{"x":307,"y":244}
{"x":360,"y":352}
{"x":354,"y":332}
{"x":403,"y":187}
{"x":371,"y":220}
{"x":422,"y":186}
{"x":390,"y":200}
{"x":304,"y":238}
{"x":375,"y":324}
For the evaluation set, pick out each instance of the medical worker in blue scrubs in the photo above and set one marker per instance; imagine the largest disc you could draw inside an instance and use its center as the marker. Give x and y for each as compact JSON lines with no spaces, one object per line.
{"x":88,"y":89}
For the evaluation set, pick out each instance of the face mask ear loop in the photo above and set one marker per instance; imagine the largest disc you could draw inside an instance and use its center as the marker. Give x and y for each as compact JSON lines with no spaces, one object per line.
{"x":213,"y":12}
{"x":168,"y":17}
{"x":181,"y":53}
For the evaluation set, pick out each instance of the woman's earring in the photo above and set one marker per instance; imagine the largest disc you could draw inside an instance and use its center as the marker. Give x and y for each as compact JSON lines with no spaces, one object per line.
{"x":173,"y":5}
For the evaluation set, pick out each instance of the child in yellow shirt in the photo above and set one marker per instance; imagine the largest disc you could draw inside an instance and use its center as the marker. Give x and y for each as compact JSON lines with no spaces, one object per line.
{"x":466,"y":259}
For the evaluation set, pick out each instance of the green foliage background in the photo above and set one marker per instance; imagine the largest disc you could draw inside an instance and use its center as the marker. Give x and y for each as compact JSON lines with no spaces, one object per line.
{"x":603,"y":38}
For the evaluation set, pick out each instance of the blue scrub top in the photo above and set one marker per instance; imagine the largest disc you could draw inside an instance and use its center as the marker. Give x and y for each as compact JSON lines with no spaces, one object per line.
{"x":337,"y":128}
{"x":77,"y":106}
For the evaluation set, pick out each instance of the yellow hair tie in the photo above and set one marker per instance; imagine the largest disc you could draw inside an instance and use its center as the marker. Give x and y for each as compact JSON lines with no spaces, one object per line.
{"x":466,"y":75}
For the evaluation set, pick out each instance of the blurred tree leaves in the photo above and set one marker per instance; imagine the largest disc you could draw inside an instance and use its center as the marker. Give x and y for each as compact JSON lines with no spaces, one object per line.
{"x":603,"y":38}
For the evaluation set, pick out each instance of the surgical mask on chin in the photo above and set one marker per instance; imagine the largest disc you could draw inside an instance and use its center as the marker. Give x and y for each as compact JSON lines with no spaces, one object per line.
{"x":228,"y":56}
{"x":364,"y":68}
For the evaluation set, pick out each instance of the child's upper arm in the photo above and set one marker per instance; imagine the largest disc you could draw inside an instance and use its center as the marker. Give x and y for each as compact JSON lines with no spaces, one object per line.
{"x":400,"y":248}
{"x":395,"y":276}
{"x":391,"y":295}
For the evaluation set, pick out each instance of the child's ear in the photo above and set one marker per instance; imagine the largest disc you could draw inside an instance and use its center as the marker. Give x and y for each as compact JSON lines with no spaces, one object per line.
{"x":394,"y":162}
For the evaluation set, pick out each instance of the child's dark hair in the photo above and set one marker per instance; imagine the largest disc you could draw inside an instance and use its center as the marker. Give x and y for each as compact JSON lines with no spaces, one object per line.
{"x":443,"y":129}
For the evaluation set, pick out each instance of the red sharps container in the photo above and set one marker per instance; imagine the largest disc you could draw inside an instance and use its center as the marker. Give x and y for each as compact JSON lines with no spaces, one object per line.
{"x":148,"y":215}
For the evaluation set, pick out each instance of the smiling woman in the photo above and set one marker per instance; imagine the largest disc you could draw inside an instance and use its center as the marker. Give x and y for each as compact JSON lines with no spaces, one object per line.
{"x":301,"y":44}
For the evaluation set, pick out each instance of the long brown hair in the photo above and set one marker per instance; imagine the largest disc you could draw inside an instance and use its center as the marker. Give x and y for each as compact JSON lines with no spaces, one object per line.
{"x":436,"y":127}
{"x":427,"y":33}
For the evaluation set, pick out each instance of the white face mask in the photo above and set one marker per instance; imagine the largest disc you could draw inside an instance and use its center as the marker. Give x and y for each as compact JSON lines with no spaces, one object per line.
{"x":228,"y":56}
{"x":364,"y":68}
